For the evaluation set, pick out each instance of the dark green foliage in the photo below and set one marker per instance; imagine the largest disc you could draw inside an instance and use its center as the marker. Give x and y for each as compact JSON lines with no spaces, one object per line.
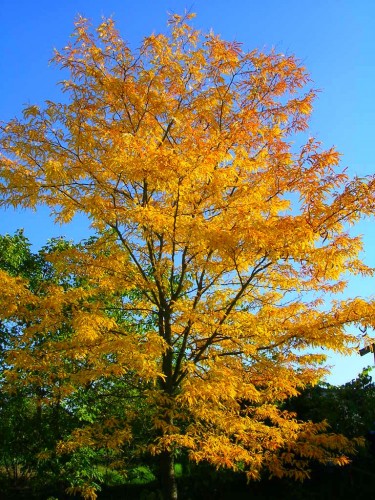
{"x":349,"y":408}
{"x":16,"y":257}
{"x":33,"y":420}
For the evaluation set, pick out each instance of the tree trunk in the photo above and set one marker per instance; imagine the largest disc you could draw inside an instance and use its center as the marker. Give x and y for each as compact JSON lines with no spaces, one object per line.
{"x":167,"y":476}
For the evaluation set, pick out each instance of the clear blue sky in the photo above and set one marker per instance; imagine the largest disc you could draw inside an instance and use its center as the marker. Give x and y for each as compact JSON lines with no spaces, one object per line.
{"x":335,"y":39}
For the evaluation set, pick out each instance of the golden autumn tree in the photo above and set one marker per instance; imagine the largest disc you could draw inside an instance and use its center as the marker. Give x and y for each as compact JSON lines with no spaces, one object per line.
{"x":219,"y":242}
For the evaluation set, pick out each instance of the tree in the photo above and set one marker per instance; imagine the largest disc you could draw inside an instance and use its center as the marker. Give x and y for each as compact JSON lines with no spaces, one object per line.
{"x":39,"y":407}
{"x":29,"y":427}
{"x":349,"y":408}
{"x":219,"y":242}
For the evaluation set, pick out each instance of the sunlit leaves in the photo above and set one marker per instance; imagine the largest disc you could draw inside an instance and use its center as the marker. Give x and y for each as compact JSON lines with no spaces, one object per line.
{"x":220,"y":243}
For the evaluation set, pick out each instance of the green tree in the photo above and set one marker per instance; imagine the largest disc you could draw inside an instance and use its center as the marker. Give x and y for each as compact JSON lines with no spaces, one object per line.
{"x":349,"y":408}
{"x":38,"y":409}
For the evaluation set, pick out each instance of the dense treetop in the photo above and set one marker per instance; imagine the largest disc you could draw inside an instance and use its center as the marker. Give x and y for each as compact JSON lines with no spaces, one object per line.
{"x":218,"y":242}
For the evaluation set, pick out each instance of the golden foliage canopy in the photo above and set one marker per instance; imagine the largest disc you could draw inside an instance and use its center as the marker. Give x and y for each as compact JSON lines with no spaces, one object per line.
{"x":218,"y":237}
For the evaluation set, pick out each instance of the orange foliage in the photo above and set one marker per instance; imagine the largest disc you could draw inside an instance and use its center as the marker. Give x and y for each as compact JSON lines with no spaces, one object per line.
{"x":225,"y":239}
